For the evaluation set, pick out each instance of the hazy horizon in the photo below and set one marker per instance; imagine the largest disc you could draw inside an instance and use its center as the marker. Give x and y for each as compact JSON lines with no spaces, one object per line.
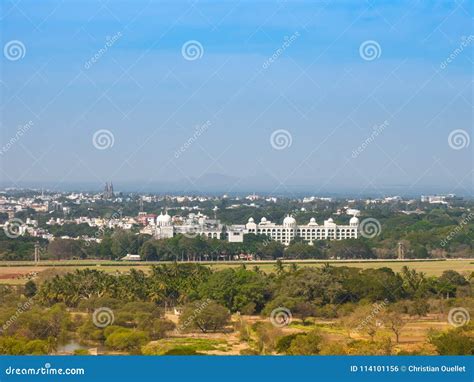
{"x":291,"y":191}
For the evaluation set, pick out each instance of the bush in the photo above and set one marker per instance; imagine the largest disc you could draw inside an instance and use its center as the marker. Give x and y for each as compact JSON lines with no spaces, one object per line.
{"x":183,"y":351}
{"x":88,"y":331}
{"x":17,"y":346}
{"x":453,"y":342}
{"x":382,"y":346}
{"x":244,"y":330}
{"x":30,"y":289}
{"x":183,"y":346}
{"x":248,"y":352}
{"x":159,"y":327}
{"x":126,"y":340}
{"x":418,"y":308}
{"x":267,"y":336}
{"x":308,"y":344}
{"x":81,"y":352}
{"x":284,"y":343}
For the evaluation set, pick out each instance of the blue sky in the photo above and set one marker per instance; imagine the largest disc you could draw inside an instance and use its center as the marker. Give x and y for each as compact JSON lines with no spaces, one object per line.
{"x":319,"y":89}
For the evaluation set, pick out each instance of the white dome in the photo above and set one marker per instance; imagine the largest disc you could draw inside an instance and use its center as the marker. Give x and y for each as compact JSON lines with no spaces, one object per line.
{"x":289,"y":221}
{"x":263,"y":220}
{"x":250,"y":220}
{"x":312,"y":220}
{"x":330,"y":220}
{"x":354,"y":221}
{"x":163,"y":219}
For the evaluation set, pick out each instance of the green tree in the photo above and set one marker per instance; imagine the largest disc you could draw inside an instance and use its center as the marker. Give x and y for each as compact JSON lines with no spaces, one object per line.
{"x":350,"y":249}
{"x":30,"y":289}
{"x":206,"y":315}
{"x":236,"y":289}
{"x":279,"y":267}
{"x":301,"y":250}
{"x":148,"y":252}
{"x":270,"y":250}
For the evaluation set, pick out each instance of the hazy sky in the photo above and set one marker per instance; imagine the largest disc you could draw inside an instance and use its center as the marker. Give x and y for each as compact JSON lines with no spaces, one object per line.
{"x":339,"y":68}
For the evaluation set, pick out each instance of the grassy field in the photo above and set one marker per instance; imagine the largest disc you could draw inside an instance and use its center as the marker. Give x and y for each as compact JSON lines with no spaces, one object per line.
{"x":17,"y":273}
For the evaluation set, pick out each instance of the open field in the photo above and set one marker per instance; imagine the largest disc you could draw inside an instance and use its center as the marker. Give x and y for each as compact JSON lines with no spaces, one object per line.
{"x":413,"y":335}
{"x":17,"y":272}
{"x":228,"y":342}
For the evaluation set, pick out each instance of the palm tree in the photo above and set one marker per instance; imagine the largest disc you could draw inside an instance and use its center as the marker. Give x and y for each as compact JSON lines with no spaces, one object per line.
{"x":279,"y":267}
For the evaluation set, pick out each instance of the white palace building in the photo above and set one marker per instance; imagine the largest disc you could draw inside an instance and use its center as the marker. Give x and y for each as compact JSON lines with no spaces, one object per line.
{"x":309,"y":232}
{"x":166,"y":227}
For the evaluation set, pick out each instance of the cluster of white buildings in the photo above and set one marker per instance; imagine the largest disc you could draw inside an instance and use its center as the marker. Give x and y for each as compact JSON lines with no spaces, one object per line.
{"x":164,"y":226}
{"x":11,"y":206}
{"x":310,"y":232}
{"x":439,"y":199}
{"x":112,"y":222}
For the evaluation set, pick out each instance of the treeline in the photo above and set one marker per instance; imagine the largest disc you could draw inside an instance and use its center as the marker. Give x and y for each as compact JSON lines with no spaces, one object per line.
{"x":252,"y":291}
{"x":21,"y":248}
{"x":439,"y":232}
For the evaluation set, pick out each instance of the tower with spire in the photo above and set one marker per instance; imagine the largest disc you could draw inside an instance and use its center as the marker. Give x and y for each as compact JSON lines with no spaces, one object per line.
{"x":108,"y":190}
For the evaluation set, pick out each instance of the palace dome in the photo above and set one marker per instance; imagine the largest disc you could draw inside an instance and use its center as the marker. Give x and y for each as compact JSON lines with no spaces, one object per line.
{"x":163,"y":219}
{"x":289,"y":221}
{"x":354,"y":220}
